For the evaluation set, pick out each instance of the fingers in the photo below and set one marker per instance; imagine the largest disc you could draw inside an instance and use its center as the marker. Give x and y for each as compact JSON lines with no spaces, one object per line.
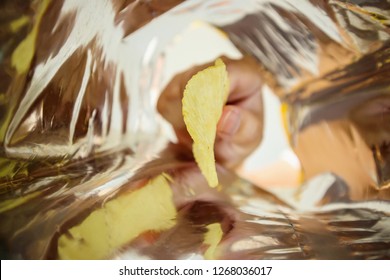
{"x":239,"y":132}
{"x":239,"y":129}
{"x":244,"y":77}
{"x":229,"y":122}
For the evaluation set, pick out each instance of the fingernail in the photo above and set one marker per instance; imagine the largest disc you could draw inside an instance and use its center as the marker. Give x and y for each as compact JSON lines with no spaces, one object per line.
{"x":229,"y":122}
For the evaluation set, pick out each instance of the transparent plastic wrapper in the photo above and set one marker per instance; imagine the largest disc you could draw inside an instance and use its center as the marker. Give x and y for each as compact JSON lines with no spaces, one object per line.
{"x":88,"y":168}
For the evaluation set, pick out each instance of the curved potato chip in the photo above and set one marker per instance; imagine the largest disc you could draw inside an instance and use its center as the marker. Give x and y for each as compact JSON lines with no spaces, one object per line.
{"x":203,"y":99}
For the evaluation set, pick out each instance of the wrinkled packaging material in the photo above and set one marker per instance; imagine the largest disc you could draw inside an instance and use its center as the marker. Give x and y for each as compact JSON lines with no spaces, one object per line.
{"x":88,"y":172}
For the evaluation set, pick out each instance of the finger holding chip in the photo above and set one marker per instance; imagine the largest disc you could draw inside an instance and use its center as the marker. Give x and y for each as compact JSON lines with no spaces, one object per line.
{"x":240,"y":128}
{"x":240,"y":125}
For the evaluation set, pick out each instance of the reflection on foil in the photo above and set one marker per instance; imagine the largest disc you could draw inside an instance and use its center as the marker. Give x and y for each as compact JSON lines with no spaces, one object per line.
{"x":86,"y":167}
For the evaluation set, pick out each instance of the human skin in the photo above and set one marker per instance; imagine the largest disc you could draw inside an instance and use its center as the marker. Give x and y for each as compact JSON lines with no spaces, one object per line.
{"x":240,"y":128}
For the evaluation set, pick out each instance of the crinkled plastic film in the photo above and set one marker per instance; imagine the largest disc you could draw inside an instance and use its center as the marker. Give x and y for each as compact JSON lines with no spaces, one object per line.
{"x":87,"y":170}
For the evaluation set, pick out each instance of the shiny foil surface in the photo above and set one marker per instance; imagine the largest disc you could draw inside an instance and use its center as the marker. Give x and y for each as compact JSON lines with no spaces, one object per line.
{"x":87,"y":167}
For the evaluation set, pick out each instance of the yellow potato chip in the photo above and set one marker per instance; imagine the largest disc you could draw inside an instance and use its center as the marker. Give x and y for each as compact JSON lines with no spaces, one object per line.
{"x":203,"y":100}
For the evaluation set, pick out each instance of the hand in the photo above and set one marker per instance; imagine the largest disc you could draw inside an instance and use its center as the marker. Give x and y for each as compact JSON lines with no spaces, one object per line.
{"x":240,"y":128}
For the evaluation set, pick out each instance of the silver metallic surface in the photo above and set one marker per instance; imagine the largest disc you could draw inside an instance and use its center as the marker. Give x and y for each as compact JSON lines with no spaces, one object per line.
{"x":87,"y":169}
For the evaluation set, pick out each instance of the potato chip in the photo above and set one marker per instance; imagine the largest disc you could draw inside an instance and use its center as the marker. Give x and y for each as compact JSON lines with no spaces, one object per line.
{"x":204,"y":97}
{"x":121,"y":220}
